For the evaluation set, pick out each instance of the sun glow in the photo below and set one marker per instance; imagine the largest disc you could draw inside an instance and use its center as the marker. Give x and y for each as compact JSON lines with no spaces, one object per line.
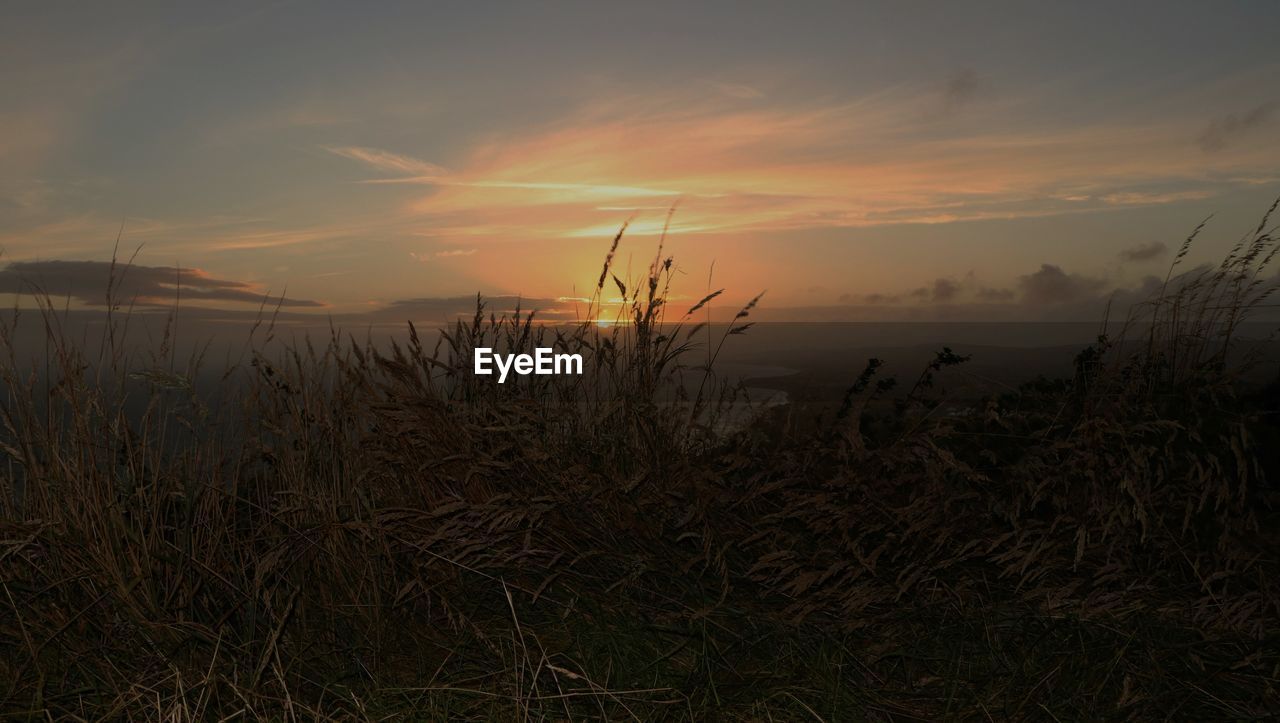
{"x":540,"y":205}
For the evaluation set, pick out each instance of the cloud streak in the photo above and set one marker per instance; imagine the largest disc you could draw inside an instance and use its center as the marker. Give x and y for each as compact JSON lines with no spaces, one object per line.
{"x":735,"y":169}
{"x":1225,"y":130}
{"x":390,"y":162}
{"x":87,"y":282}
{"x":447,"y":308}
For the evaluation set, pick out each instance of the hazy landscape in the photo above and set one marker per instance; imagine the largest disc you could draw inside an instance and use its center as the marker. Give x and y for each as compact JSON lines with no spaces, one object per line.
{"x":340,"y":528}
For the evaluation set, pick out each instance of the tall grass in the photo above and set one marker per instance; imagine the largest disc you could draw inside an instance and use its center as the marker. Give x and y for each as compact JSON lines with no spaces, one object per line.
{"x":355,"y":531}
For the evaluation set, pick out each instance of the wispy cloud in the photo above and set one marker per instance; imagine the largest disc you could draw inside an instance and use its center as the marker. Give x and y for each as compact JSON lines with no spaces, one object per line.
{"x":1226,"y":129}
{"x":871,"y":162}
{"x":450,"y":307}
{"x":258,"y":237}
{"x":387,"y":161}
{"x":740,"y":91}
{"x":442,"y":254}
{"x":1153,"y":198}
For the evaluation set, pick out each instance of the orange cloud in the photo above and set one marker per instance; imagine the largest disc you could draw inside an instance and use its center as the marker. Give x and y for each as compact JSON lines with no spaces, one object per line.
{"x":884,"y":160}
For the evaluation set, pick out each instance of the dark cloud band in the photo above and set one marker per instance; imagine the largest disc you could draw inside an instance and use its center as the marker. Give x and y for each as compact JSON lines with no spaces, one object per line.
{"x":91,"y":282}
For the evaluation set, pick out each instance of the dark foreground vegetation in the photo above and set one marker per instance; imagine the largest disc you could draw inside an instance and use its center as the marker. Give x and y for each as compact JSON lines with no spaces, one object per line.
{"x":352,"y":532}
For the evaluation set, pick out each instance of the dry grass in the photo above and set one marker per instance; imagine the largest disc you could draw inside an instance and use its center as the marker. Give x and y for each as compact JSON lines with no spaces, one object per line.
{"x":354,"y":532}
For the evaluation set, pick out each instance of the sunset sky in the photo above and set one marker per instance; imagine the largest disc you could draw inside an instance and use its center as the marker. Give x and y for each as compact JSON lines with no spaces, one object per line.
{"x":853,"y":159}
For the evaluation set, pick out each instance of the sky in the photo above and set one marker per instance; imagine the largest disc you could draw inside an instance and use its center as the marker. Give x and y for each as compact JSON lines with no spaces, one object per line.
{"x":854,"y":160}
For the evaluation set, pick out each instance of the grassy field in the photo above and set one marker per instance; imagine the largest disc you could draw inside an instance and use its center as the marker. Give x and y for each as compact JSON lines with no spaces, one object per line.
{"x":356,"y":532}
